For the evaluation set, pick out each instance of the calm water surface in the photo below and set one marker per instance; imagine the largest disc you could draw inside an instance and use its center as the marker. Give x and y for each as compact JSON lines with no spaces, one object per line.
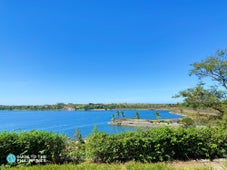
{"x":66,"y":122}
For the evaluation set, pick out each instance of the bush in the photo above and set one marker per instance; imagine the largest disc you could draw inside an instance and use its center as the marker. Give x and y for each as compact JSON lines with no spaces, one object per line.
{"x":159,"y":144}
{"x":32,"y":143}
{"x":153,"y":145}
{"x":75,"y":152}
{"x":187,"y":121}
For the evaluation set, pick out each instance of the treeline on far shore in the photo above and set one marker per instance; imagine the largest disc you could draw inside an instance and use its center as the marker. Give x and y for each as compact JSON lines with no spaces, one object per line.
{"x":90,"y":106}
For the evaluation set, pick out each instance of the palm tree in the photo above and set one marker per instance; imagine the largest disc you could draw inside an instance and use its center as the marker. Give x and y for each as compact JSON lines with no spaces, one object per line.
{"x":113,"y":118}
{"x":122,"y":114}
{"x":137,"y":115}
{"x":157,"y":115}
{"x":117,"y":114}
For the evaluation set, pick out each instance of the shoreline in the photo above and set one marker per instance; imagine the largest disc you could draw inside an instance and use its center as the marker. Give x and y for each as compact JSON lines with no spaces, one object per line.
{"x":170,"y":111}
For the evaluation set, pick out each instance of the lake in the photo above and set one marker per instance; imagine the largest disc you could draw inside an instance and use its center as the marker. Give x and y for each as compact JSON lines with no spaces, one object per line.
{"x":66,"y":122}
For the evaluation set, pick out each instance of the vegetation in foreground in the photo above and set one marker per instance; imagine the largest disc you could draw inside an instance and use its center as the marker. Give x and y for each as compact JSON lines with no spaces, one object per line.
{"x":32,"y":143}
{"x":126,"y":166}
{"x":154,"y":145}
{"x":159,"y":144}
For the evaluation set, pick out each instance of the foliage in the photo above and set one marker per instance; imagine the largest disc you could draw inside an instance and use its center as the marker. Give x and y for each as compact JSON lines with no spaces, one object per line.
{"x":159,"y":144}
{"x":199,"y":97}
{"x":90,"y":106}
{"x":187,"y":121}
{"x":214,"y":67}
{"x":78,"y":136}
{"x":117,"y":114}
{"x":90,"y":166}
{"x":122,"y":114}
{"x":74,"y":152}
{"x":32,"y":143}
{"x":75,"y":148}
{"x":137,"y":115}
{"x":157,"y":115}
{"x":95,"y":129}
{"x":113,"y":118}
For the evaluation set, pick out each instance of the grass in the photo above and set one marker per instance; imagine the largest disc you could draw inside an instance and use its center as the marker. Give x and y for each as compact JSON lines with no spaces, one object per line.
{"x":91,"y":166}
{"x":207,"y":117}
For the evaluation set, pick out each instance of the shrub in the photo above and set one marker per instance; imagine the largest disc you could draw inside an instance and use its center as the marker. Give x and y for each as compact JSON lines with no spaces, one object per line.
{"x":75,"y":152}
{"x":32,"y":143}
{"x":187,"y":121}
{"x":159,"y":144}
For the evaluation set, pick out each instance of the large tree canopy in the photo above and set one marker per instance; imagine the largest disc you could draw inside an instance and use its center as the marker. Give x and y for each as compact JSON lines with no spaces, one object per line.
{"x":214,"y":67}
{"x":198,"y":97}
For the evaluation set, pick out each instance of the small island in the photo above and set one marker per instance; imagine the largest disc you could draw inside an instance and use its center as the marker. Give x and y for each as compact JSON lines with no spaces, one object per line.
{"x":144,"y":123}
{"x":136,"y":122}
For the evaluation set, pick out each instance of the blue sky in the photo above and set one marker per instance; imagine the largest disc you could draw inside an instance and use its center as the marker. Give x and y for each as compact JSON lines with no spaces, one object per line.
{"x":104,"y":51}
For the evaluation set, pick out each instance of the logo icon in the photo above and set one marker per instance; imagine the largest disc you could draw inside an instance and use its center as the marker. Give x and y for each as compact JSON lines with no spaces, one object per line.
{"x":11,"y":158}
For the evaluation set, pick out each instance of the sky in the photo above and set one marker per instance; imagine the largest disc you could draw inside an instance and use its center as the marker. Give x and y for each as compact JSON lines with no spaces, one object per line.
{"x":121,"y":51}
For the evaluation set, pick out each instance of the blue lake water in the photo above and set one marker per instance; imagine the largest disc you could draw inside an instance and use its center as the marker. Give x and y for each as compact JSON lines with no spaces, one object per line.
{"x":66,"y":122}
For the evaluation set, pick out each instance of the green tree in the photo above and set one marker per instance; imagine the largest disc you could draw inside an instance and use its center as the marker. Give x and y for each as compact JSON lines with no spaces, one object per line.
{"x":95,"y":129}
{"x":113,"y":118}
{"x":198,"y":97}
{"x":187,"y":121}
{"x":60,"y":105}
{"x":78,"y":136}
{"x":137,"y":115}
{"x":122,"y":114}
{"x":157,"y":115}
{"x":214,"y":68}
{"x":117,"y":114}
